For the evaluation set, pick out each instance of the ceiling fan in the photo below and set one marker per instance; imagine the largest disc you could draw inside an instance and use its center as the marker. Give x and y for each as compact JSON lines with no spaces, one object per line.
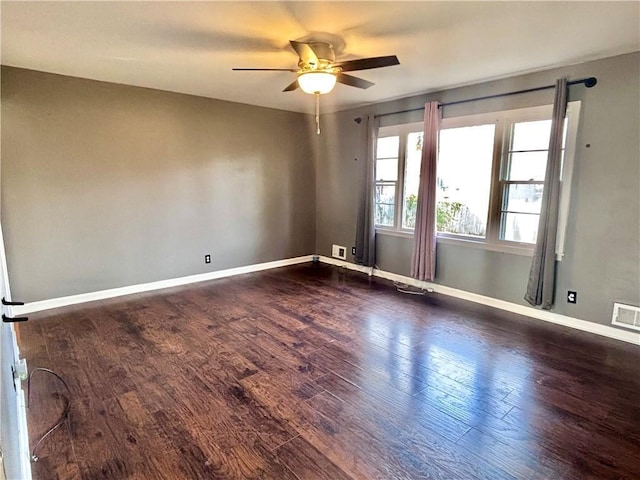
{"x":318,"y":64}
{"x":318,"y":70}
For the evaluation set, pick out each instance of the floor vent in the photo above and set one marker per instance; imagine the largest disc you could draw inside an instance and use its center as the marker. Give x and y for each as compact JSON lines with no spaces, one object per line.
{"x":626,"y":316}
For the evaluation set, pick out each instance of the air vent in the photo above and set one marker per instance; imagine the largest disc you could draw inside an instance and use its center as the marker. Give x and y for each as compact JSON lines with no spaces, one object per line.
{"x":626,"y":316}
{"x":339,"y":252}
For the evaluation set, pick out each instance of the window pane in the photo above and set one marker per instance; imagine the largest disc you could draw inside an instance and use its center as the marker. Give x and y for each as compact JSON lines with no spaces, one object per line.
{"x":387,"y":169}
{"x":464,"y":179}
{"x":388,"y":147}
{"x":525,"y":198}
{"x":527,"y":166}
{"x":385,"y":194}
{"x":385,"y":204}
{"x":411,"y":179}
{"x":520,"y":227}
{"x":531,"y":135}
{"x":384,"y":215}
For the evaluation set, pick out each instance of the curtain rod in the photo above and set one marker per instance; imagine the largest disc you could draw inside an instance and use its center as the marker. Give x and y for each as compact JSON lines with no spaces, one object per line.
{"x":588,"y":82}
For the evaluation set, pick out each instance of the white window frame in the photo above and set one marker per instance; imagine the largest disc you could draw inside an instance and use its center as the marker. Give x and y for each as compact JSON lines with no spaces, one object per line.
{"x":401,"y":131}
{"x":502,"y":120}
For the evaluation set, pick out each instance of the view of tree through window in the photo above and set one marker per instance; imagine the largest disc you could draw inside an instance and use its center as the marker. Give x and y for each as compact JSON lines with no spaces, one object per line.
{"x":398,"y":157}
{"x":386,"y":180}
{"x":411,"y":179}
{"x":464,"y":180}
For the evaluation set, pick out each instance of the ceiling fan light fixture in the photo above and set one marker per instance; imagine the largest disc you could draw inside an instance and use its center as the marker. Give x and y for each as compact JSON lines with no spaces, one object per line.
{"x":317,"y":82}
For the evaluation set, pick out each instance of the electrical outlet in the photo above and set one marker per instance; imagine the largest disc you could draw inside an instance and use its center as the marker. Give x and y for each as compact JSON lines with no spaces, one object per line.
{"x":353,"y":250}
{"x":572,"y":296}
{"x":207,"y":259}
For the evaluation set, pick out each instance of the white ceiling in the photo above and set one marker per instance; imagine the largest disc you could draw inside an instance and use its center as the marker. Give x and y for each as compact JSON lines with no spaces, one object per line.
{"x":190,"y":47}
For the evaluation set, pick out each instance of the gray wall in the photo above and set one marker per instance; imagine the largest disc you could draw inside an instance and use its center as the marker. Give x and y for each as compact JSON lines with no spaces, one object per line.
{"x":602,"y":260}
{"x":107,"y":185}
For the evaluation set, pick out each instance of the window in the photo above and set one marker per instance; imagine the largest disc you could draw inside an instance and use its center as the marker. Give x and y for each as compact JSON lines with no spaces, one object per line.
{"x":524,"y":162}
{"x":398,"y":158}
{"x":386,"y":180}
{"x":491,"y":171}
{"x":464,"y":180}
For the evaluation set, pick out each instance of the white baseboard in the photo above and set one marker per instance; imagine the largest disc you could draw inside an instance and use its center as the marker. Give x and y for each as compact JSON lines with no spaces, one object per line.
{"x":545,"y":315}
{"x":341,"y":263}
{"x":147,"y":287}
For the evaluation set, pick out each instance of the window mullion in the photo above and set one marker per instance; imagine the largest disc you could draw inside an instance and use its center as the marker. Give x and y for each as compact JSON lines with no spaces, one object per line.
{"x":402,"y":150}
{"x":500,"y":146}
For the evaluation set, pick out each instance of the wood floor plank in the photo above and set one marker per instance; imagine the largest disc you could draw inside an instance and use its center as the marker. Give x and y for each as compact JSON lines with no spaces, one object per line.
{"x":307,"y":462}
{"x":269,"y":356}
{"x":602,"y":445}
{"x":365,"y":367}
{"x":412,"y":447}
{"x":521,"y":463}
{"x":314,"y":371}
{"x":542,"y":399}
{"x":338,"y":440}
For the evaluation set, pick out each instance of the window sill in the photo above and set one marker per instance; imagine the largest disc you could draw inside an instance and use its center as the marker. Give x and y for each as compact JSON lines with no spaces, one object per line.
{"x":460,"y":242}
{"x":394,"y":233}
{"x":493,"y":247}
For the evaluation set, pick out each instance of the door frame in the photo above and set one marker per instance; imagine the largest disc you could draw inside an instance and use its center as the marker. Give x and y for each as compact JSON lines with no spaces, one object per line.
{"x":16,"y":456}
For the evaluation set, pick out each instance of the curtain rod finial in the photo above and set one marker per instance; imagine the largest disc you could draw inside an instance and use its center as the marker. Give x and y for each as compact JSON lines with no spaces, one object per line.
{"x":590,"y":82}
{"x":358,"y":120}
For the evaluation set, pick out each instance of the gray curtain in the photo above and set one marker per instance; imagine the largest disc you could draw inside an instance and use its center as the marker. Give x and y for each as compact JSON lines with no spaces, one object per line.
{"x":366,"y":228}
{"x":541,"y":286}
{"x":423,"y":263}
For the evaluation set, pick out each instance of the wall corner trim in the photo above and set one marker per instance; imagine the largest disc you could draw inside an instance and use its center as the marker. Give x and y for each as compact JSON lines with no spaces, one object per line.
{"x":147,"y":287}
{"x":545,"y":315}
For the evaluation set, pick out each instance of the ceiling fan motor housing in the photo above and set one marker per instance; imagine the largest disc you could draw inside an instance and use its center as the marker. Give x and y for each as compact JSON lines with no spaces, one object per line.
{"x":324,"y":52}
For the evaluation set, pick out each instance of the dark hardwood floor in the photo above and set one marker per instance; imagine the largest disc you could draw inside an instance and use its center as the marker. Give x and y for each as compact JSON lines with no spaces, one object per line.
{"x":315,"y":372}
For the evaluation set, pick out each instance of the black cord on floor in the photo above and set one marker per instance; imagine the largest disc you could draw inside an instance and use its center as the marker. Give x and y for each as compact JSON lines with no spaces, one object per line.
{"x":63,"y":417}
{"x":404,"y":288}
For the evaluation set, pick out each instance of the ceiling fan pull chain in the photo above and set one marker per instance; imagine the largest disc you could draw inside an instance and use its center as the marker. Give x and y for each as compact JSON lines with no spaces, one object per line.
{"x":317,"y":113}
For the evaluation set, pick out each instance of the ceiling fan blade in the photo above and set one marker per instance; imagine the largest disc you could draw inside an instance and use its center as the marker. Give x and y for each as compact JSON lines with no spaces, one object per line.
{"x":353,"y":81}
{"x":265,"y":69}
{"x":305,"y":52}
{"x":291,"y":87}
{"x":367,"y":63}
